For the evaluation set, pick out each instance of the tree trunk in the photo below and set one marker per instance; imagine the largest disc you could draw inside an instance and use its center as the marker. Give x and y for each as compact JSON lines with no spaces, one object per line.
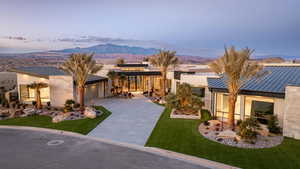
{"x":81,"y":97}
{"x":163,"y":92}
{"x":232,"y":100}
{"x":38,"y":99}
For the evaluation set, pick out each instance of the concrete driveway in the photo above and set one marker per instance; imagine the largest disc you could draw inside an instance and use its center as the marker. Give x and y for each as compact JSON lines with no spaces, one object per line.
{"x":131,"y":121}
{"x":34,"y":148}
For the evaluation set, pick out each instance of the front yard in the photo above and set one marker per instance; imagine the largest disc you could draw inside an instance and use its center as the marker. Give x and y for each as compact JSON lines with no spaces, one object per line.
{"x":182,"y":136}
{"x":82,"y":126}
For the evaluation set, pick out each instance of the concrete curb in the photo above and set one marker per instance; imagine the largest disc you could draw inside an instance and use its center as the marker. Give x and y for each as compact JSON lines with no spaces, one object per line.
{"x":156,"y":151}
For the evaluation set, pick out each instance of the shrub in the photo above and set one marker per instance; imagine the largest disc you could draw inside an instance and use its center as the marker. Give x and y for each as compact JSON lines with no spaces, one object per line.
{"x":70,"y":102}
{"x":76,"y":105}
{"x":248,"y":129}
{"x":206,"y":123}
{"x":205,"y":115}
{"x":196,"y":103}
{"x":273,"y":125}
{"x":48,"y":104}
{"x":172,"y":102}
{"x":34,"y":103}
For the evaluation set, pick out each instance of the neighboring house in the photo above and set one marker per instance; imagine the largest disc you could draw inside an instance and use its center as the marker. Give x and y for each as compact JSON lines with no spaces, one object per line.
{"x":61,"y":85}
{"x":139,"y":77}
{"x":277,"y":93}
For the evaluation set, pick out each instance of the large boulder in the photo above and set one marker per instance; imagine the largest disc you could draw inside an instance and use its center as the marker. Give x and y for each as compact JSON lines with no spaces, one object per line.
{"x":58,"y":118}
{"x":90,"y":113}
{"x":29,"y":111}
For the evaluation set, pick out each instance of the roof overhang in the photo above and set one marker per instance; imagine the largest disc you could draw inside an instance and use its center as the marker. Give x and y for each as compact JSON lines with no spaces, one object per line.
{"x":250,"y":92}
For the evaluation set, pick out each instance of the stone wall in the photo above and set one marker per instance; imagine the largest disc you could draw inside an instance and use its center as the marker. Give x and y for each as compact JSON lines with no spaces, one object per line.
{"x":291,"y":123}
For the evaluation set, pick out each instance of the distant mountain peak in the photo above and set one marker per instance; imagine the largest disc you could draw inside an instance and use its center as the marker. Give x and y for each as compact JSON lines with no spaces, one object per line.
{"x":110,"y":48}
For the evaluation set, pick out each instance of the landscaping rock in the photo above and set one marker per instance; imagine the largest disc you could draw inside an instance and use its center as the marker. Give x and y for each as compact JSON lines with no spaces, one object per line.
{"x":58,"y":118}
{"x":214,"y":122}
{"x":29,"y":111}
{"x":264,"y":131}
{"x":227,"y":134}
{"x":90,"y":113}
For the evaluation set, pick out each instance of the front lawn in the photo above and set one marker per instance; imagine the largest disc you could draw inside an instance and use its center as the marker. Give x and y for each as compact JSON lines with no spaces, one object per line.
{"x":181,"y":136}
{"x":82,"y":126}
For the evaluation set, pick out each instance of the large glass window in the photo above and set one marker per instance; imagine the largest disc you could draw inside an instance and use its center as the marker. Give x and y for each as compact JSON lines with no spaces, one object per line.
{"x":28,"y":94}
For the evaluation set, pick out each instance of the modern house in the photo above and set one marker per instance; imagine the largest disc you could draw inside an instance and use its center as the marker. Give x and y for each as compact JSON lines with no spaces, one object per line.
{"x":139,"y":77}
{"x":277,"y":93}
{"x":61,"y":85}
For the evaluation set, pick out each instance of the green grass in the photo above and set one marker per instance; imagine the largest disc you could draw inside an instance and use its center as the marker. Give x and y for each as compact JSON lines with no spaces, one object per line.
{"x":181,"y":136}
{"x":82,"y":126}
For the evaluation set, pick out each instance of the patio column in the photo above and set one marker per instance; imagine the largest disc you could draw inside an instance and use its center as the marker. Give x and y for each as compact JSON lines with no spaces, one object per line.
{"x":242,"y":107}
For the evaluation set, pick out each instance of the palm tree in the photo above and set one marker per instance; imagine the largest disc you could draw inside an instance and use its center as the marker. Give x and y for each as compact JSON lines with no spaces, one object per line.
{"x":122,"y":78}
{"x":237,"y":69}
{"x":113,"y":76}
{"x":120,"y":61}
{"x":80,"y":66}
{"x":163,"y":60}
{"x":37,"y":86}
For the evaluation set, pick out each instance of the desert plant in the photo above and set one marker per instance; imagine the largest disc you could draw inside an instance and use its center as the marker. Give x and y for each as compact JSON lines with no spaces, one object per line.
{"x":273,"y":125}
{"x":112,"y":75}
{"x":70,"y":102}
{"x":205,"y":115}
{"x":120,"y":61}
{"x":172,"y":102}
{"x":248,"y":129}
{"x":184,"y":95}
{"x":163,"y":60}
{"x":237,"y":69}
{"x":80,"y":66}
{"x":37,"y":86}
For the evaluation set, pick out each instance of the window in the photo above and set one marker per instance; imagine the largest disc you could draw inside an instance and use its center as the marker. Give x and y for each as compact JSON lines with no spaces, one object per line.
{"x":198,"y":91}
{"x":262,"y":110}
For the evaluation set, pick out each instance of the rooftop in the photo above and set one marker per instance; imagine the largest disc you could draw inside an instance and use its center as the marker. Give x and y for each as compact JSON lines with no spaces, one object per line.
{"x":45,"y":72}
{"x":273,"y":83}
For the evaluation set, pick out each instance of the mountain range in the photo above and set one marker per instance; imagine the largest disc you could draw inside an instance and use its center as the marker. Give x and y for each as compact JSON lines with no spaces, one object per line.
{"x":110,"y":49}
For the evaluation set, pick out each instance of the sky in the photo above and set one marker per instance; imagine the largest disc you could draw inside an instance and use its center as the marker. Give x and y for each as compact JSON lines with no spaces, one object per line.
{"x":195,"y":27}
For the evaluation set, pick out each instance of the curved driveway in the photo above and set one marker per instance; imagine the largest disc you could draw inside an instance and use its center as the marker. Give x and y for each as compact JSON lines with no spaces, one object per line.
{"x":131,"y":121}
{"x":30,"y":149}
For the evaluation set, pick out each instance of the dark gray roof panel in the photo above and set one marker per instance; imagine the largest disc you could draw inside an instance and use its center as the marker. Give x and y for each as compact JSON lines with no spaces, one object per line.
{"x":274,"y":82}
{"x":42,"y":71}
{"x":53,"y":71}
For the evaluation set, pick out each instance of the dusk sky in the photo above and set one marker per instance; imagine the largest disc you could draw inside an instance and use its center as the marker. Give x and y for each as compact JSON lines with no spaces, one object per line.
{"x":196,"y":27}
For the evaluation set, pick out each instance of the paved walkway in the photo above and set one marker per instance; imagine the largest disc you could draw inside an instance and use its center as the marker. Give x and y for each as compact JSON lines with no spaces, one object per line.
{"x":34,"y":148}
{"x":131,"y":121}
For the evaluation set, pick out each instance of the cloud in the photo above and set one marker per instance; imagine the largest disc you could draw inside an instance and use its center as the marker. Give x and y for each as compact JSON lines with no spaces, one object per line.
{"x":15,"y":38}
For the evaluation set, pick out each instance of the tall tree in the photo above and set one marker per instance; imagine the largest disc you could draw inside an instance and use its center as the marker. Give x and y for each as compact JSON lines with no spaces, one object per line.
{"x":80,"y":66}
{"x":37,"y":86}
{"x":163,"y":60}
{"x":120,"y":61}
{"x":113,"y":75}
{"x":237,"y":69}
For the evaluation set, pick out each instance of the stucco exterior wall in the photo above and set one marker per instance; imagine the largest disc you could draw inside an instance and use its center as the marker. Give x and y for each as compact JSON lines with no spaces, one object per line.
{"x":61,"y":89}
{"x":291,"y":123}
{"x":279,"y":105}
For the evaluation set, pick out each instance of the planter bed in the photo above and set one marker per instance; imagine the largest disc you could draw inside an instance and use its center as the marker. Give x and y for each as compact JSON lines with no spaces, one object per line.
{"x":175,"y":115}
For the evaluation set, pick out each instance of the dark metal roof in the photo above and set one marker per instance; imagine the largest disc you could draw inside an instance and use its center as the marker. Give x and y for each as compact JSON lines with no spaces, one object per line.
{"x":132,"y":65}
{"x":273,"y":84}
{"x":45,"y":72}
{"x":40,"y":71}
{"x":140,"y":73}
